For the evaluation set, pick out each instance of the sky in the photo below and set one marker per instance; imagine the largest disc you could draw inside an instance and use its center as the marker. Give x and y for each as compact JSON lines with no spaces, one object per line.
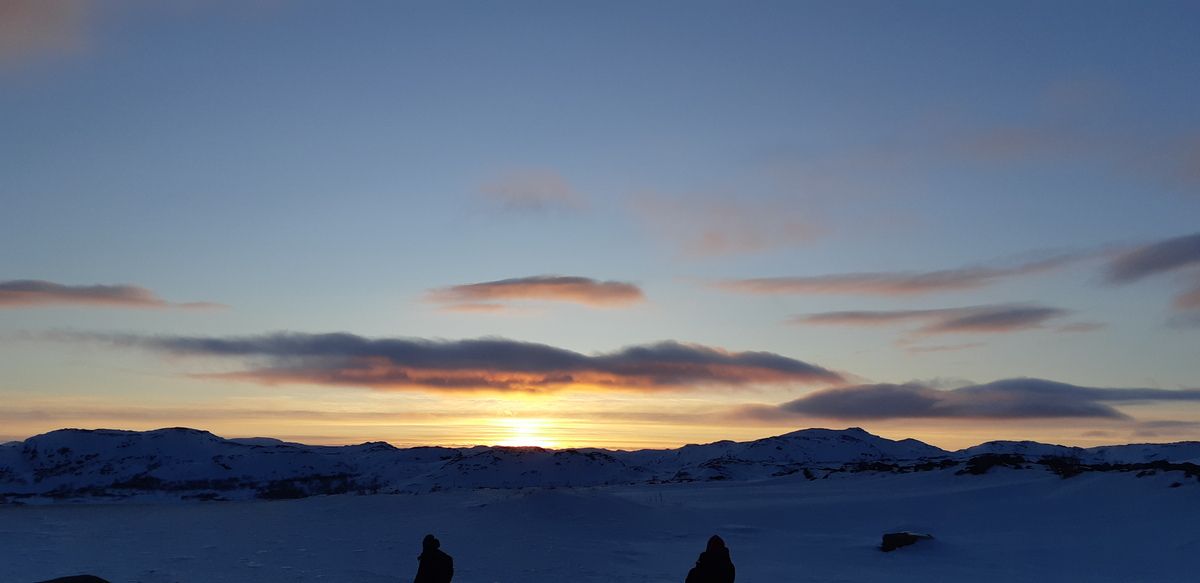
{"x":614,"y":224}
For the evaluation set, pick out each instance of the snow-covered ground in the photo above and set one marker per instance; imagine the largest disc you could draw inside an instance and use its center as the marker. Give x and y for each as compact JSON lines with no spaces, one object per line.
{"x":1006,"y":525}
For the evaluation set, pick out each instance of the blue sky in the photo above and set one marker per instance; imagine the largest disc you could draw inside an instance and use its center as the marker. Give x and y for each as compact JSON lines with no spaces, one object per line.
{"x":320,"y":169}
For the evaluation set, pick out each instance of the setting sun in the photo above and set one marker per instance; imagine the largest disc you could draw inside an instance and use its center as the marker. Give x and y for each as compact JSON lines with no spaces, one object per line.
{"x":523,"y":432}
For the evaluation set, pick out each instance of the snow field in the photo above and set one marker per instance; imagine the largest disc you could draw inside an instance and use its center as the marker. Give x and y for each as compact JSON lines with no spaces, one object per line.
{"x":1007,"y":525}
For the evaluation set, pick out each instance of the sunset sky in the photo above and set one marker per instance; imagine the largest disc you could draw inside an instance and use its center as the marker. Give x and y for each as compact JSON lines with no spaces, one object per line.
{"x":615,"y":224}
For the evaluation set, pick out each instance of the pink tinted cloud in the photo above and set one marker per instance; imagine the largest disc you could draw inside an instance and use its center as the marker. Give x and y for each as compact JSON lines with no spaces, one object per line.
{"x":29,"y":293}
{"x":1189,"y":300}
{"x":557,"y":288}
{"x":32,"y":27}
{"x":494,"y":364}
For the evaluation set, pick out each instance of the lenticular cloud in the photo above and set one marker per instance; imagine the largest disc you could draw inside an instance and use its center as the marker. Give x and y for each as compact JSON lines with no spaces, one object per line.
{"x":488,"y":363}
{"x":1017,"y":398}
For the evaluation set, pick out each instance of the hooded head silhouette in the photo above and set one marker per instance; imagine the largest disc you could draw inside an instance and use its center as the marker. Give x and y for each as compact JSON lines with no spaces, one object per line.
{"x":715,"y":544}
{"x":430,"y":543}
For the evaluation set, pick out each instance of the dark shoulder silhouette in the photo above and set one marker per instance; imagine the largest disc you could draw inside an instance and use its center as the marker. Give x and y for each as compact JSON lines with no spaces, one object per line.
{"x":714,"y":564}
{"x":434,"y":565}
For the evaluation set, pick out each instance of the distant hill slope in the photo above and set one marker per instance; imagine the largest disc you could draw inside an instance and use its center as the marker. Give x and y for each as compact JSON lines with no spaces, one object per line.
{"x":181,"y":463}
{"x":1180,"y":452}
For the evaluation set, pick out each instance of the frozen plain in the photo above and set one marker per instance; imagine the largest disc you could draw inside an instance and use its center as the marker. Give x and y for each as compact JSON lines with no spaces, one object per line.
{"x":1006,"y":525}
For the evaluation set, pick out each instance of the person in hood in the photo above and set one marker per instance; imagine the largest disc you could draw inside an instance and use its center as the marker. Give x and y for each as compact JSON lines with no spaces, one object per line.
{"x":714,"y":565}
{"x":434,"y":566}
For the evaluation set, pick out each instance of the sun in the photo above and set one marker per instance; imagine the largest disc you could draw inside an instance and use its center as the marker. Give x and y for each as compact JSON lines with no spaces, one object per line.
{"x":525,"y":431}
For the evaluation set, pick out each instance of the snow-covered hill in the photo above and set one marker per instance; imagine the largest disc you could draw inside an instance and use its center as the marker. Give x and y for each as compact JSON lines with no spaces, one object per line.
{"x":180,"y":463}
{"x":1180,"y":452}
{"x":780,"y":455}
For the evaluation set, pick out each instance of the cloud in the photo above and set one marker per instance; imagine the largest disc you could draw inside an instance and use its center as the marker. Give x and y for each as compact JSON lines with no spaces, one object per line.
{"x":32,"y":27}
{"x":944,"y":347}
{"x":28,"y":293}
{"x":1189,"y":161}
{"x":488,"y":363}
{"x":580,"y":290}
{"x":173,"y":415}
{"x":1166,"y":256}
{"x":1189,"y":300}
{"x":709,"y":227}
{"x":994,"y":319}
{"x":1171,"y":427}
{"x":900,"y":283}
{"x":1017,"y":398}
{"x":973,"y":319}
{"x":533,"y":191}
{"x":1003,"y":144}
{"x":1160,"y":257}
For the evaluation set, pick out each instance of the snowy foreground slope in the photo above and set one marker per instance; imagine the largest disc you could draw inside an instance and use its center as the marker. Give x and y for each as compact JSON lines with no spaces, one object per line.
{"x":1005,"y":525}
{"x":179,"y":463}
{"x":806,"y":506}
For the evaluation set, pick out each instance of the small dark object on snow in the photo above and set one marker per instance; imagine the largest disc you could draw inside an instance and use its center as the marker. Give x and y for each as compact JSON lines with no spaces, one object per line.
{"x":76,"y":579}
{"x":435,"y":566}
{"x":895,"y":540}
{"x":714,"y":565}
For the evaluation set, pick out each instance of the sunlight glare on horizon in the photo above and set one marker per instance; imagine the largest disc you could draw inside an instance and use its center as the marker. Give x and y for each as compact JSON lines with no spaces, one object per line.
{"x":524,"y":432}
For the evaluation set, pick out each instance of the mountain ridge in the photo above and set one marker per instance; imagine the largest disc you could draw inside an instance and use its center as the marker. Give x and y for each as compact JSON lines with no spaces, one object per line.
{"x":187,"y":463}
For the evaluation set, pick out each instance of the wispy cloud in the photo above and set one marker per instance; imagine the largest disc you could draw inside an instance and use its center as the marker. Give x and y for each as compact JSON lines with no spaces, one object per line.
{"x":1189,"y":300}
{"x":32,"y":27}
{"x":169,"y":415}
{"x":972,"y":319}
{"x":898,"y":283}
{"x":705,"y":226}
{"x":1161,"y":257}
{"x":1018,"y":398}
{"x":533,"y":191}
{"x":558,"y":288}
{"x":490,"y":363}
{"x":28,"y":293}
{"x":1189,"y":156}
{"x":1161,"y":427}
{"x":943,"y":347}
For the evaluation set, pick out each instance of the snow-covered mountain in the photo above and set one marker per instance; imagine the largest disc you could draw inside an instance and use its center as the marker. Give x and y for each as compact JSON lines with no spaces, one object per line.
{"x":194,"y":464}
{"x":1180,"y":452}
{"x":783,"y":454}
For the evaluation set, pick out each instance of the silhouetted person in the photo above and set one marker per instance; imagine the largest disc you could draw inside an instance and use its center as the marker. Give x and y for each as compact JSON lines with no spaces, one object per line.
{"x":714,"y":565}
{"x":435,"y":566}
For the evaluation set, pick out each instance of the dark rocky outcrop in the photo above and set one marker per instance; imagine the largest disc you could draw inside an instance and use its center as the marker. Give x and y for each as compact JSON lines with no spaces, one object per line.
{"x":980,"y":464}
{"x":895,"y":540}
